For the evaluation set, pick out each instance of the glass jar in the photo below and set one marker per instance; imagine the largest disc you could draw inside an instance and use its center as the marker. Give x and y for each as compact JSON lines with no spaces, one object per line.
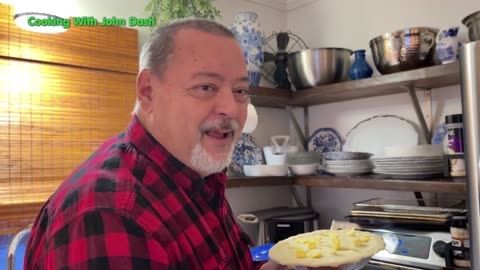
{"x":461,"y":240}
{"x":454,"y":125}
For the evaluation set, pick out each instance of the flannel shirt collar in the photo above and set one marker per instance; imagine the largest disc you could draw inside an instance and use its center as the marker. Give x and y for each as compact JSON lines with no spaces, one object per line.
{"x":185,"y":178}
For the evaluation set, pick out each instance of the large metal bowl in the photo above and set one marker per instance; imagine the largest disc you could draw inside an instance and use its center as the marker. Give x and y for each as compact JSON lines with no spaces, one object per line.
{"x":472,"y":22}
{"x":314,"y":67}
{"x":402,"y":50}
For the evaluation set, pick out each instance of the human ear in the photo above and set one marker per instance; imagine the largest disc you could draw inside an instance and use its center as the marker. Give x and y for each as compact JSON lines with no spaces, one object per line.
{"x":144,"y":90}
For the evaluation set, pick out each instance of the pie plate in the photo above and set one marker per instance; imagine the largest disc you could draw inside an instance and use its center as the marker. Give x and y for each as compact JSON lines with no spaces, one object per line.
{"x":347,"y":266}
{"x":345,"y":249}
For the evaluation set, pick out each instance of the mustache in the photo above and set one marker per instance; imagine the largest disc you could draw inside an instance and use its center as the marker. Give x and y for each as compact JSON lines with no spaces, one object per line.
{"x":220,"y":124}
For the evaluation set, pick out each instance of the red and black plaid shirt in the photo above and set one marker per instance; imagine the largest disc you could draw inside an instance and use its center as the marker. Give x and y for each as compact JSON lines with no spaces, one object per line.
{"x":132,"y":205}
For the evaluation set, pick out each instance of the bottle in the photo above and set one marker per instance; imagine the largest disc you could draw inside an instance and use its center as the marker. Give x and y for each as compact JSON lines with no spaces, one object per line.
{"x":460,"y":239}
{"x":454,"y":125}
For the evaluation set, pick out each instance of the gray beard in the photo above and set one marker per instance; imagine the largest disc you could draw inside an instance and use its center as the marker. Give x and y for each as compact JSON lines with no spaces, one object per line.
{"x":204,"y":163}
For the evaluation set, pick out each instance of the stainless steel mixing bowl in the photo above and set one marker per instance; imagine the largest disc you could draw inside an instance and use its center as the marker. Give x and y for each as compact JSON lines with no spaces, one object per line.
{"x":472,"y":22}
{"x":314,"y":67}
{"x":402,"y":50}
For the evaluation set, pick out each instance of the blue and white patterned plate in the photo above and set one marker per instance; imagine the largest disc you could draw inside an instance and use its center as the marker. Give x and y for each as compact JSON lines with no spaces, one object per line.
{"x":325,"y":140}
{"x":439,"y":134}
{"x":246,"y":152}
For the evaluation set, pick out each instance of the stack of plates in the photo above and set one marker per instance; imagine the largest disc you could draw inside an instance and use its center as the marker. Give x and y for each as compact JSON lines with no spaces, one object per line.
{"x":409,"y":167}
{"x":348,"y":167}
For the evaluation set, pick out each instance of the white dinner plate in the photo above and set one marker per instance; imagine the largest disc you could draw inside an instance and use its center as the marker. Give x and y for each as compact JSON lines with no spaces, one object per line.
{"x":375,"y":133}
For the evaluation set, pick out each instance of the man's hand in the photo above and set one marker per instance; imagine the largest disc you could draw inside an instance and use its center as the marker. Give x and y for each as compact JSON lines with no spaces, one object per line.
{"x":271,"y":265}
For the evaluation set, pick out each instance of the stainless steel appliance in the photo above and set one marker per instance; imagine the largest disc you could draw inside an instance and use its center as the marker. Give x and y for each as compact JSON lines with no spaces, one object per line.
{"x":409,"y":249}
{"x":275,"y":224}
{"x":470,"y":84}
{"x":404,"y":248}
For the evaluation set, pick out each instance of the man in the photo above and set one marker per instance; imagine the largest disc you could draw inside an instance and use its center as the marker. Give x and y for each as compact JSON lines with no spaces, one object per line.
{"x":153,"y":196}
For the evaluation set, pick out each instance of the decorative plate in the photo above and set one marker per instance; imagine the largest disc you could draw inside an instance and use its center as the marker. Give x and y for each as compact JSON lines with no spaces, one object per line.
{"x":372,"y":135}
{"x":439,"y":134}
{"x":246,"y":152}
{"x":325,"y":140}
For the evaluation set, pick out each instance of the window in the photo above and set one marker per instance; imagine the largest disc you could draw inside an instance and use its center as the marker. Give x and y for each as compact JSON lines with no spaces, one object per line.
{"x":61,"y":96}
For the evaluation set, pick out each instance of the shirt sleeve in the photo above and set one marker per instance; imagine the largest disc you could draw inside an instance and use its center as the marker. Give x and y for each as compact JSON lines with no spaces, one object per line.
{"x":103,"y":240}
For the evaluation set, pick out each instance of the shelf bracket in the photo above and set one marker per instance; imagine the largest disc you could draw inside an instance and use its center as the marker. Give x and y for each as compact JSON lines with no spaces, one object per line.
{"x":425,"y":130}
{"x":303,"y":140}
{"x":418,"y":111}
{"x":300,"y":134}
{"x":306,"y":120}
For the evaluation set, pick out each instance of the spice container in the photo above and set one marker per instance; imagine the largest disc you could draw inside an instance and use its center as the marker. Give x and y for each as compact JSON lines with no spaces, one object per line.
{"x":460,"y":241}
{"x":454,"y":125}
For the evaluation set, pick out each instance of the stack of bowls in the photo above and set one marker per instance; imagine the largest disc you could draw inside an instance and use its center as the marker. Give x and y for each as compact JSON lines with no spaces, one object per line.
{"x":347,"y":163}
{"x":304,"y":163}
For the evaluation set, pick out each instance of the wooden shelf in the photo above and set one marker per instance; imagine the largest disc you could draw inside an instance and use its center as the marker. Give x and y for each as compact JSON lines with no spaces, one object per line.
{"x":271,"y":97}
{"x":16,"y":217}
{"x":236,"y":182}
{"x":422,"y":78}
{"x":441,"y":185}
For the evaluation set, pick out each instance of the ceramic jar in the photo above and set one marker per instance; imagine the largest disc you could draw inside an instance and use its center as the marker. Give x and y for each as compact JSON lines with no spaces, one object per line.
{"x":360,"y":69}
{"x":246,"y":29}
{"x":447,"y":45}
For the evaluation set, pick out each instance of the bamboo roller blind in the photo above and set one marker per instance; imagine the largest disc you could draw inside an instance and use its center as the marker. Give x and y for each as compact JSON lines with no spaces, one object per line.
{"x":61,"y":96}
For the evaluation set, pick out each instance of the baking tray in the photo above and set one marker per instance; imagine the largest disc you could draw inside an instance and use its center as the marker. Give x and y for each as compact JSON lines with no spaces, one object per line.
{"x":383,"y":222}
{"x":378,"y":212}
{"x":432,"y":206}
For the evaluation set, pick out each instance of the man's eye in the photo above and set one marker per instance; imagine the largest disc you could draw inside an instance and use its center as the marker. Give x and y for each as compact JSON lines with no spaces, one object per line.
{"x":203,"y":91}
{"x":241,"y":95}
{"x":243,"y":92}
{"x":206,"y":87}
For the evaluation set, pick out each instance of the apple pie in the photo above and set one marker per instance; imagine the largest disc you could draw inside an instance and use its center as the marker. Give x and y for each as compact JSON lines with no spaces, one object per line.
{"x":326,"y":248}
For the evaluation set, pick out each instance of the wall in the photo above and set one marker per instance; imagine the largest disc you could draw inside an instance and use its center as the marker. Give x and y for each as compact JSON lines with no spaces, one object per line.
{"x":351,"y":24}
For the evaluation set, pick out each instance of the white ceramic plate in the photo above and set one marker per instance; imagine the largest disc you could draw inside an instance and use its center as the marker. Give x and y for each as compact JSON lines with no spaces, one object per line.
{"x":400,"y":159}
{"x":347,"y":162}
{"x":373,"y":134}
{"x":411,"y":176}
{"x":407,"y":172}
